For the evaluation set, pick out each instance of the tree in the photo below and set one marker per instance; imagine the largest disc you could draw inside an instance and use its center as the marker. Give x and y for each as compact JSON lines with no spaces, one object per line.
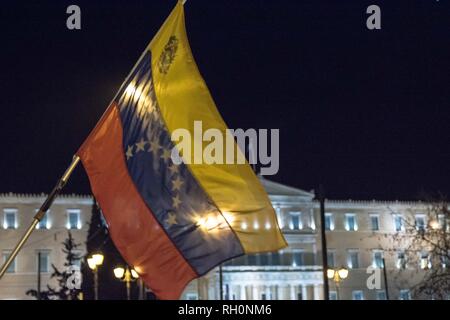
{"x":67,"y":279}
{"x":98,"y":240}
{"x":422,"y":250}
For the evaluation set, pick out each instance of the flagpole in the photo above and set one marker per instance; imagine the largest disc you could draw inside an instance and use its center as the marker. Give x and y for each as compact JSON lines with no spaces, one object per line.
{"x":41,"y":213}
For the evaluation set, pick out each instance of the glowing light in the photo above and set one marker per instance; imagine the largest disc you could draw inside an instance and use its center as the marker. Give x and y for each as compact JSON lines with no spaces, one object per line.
{"x":244,"y":226}
{"x":229,"y":217}
{"x":138,"y":270}
{"x":137,"y":93}
{"x":119,"y":272}
{"x":212,"y":222}
{"x":98,"y":258}
{"x":129,"y":91}
{"x":91,"y":263}
{"x":267,"y":225}
{"x":256,"y":225}
{"x":330,"y":273}
{"x":434,"y":224}
{"x":134,"y":274}
{"x":343,"y":273}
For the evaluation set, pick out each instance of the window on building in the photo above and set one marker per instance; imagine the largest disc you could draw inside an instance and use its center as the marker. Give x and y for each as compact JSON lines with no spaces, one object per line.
{"x":381,"y":295}
{"x":296,"y":221}
{"x":398,"y":223}
{"x":275,"y":258}
{"x":420,"y":222}
{"x":252,"y":259}
{"x":441,"y":221}
{"x":264,"y":259}
{"x":444,"y":261}
{"x":44,"y":223}
{"x":374,"y":222}
{"x":279,"y":216}
{"x":333,"y":295}
{"x":425,"y":260}
{"x":350,"y":222}
{"x":357,"y":295}
{"x":79,"y":254}
{"x":401,"y":260}
{"x":312,"y":221}
{"x":44,"y":260}
{"x":74,"y":221}
{"x":331,"y":257}
{"x":353,"y":259}
{"x":10,"y":218}
{"x":444,"y":222}
{"x":12,"y":266}
{"x":329,"y":221}
{"x":286,"y":258}
{"x":405,"y":295}
{"x":377,"y":259}
{"x":191,"y":296}
{"x":298,"y":258}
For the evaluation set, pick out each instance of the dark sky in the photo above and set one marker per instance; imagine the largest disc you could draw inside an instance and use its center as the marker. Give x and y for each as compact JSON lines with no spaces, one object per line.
{"x":365,"y":113}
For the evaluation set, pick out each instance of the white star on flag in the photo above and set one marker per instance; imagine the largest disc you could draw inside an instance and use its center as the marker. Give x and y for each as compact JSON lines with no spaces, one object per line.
{"x":141,"y":145}
{"x":129,"y":152}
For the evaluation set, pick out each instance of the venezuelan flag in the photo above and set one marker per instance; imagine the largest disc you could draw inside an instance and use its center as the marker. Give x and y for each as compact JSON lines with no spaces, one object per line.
{"x":172,"y":223}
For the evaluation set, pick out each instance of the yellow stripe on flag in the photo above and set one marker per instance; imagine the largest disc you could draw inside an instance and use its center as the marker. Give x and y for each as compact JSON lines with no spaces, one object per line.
{"x":183,"y":98}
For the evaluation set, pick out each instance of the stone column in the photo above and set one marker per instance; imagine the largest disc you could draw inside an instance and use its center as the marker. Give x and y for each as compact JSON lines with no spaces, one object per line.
{"x":202,"y":286}
{"x":242,"y":295}
{"x":255,"y":293}
{"x":280,"y":292}
{"x":292,"y":293}
{"x":310,"y":291}
{"x":268,"y":292}
{"x":304,"y":293}
{"x":274,"y":290}
{"x":318,"y":292}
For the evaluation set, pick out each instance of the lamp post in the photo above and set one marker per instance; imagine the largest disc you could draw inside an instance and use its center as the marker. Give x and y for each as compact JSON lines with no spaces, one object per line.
{"x":95,"y":261}
{"x":126,"y":275}
{"x":337,"y":276}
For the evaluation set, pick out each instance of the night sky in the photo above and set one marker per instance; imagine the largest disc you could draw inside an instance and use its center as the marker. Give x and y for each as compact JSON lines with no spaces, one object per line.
{"x":365,"y":113}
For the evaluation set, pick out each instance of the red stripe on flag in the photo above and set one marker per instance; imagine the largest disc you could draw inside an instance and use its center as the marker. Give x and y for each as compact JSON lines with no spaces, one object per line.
{"x":133,"y":228}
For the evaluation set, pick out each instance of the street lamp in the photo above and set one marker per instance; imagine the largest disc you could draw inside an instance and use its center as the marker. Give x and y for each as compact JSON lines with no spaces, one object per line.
{"x":337,"y":275}
{"x":94,"y":262}
{"x":126,"y":275}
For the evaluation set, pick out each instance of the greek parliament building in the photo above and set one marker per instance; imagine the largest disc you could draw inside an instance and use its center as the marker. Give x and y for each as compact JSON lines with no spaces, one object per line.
{"x":291,"y":274}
